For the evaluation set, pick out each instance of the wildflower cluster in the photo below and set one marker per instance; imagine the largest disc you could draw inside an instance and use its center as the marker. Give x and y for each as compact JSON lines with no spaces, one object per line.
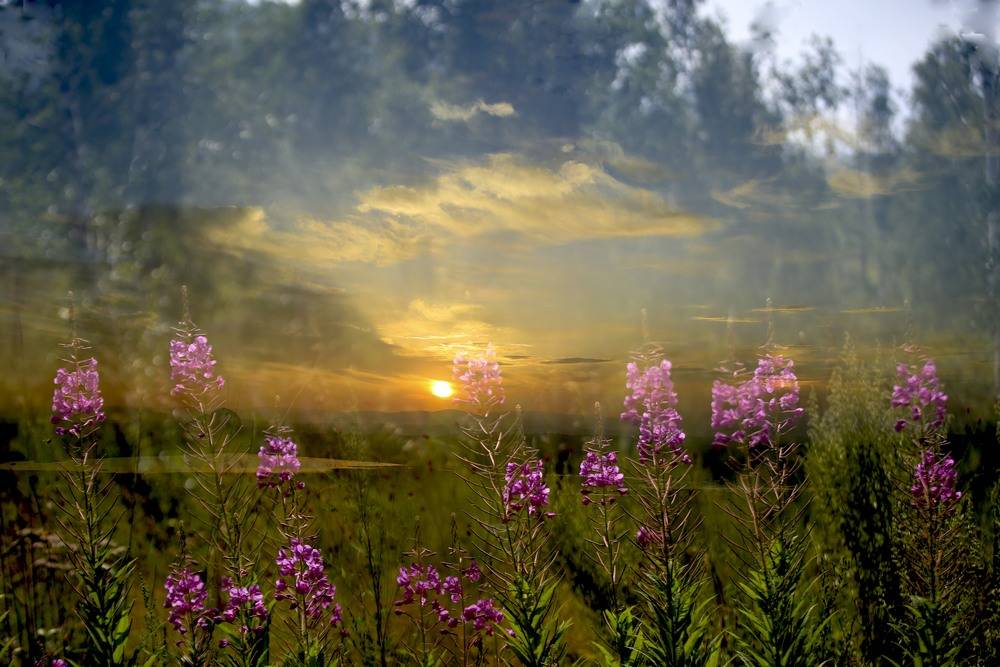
{"x":423,"y":582}
{"x":303,"y":582}
{"x":919,"y":391}
{"x":483,"y":615}
{"x":479,"y":380}
{"x":186,"y":596}
{"x":934,"y":479}
{"x":524,"y":486}
{"x":277,"y":463}
{"x":192,"y":367}
{"x":248,"y":599}
{"x":423,"y":587}
{"x":77,"y":403}
{"x":599,"y":472}
{"x":511,"y":500}
{"x":754,"y":412}
{"x":651,"y":402}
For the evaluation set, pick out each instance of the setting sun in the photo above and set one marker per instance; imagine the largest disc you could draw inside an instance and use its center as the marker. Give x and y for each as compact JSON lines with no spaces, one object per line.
{"x":441,"y":388}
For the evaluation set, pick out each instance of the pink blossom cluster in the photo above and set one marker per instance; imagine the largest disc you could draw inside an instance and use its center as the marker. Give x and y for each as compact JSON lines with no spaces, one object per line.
{"x":186,"y":595}
{"x":422,"y":586}
{"x":755,"y":412}
{"x":277,"y":463}
{"x":483,"y":615}
{"x":919,"y":391}
{"x":651,"y":402}
{"x":249,"y":599}
{"x":192,"y":367}
{"x":303,"y":581}
{"x":599,"y":472}
{"x":77,"y":403}
{"x":524,"y":486}
{"x":934,"y":481}
{"x":479,"y":380}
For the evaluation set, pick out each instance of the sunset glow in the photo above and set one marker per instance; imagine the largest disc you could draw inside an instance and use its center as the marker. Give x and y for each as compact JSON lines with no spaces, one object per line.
{"x":441,"y":388}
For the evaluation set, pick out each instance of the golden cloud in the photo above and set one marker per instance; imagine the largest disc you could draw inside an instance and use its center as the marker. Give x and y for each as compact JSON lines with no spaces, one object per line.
{"x":441,"y":330}
{"x":453,"y":112}
{"x":575,"y":201}
{"x":502,"y":198}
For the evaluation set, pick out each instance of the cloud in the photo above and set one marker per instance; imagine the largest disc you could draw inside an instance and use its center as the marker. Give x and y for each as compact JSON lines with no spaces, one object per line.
{"x":758,"y":194}
{"x":442,"y":329}
{"x":452,"y":112}
{"x":856,"y":184}
{"x":502,"y":199}
{"x":576,"y":360}
{"x":546,"y":205}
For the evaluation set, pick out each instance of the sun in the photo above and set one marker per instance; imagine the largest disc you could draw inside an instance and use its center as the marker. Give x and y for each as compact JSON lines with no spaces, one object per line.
{"x":441,"y":388}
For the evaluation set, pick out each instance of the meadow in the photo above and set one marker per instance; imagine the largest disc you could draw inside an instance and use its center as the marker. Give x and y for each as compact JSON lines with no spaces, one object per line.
{"x":860,"y":530}
{"x":418,"y":421}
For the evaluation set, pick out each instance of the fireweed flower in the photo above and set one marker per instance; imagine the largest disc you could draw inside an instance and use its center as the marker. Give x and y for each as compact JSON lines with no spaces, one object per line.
{"x":651,"y":402}
{"x":483,"y":616}
{"x":599,"y":472}
{"x":186,"y":595}
{"x":472,"y":573}
{"x":77,"y":403}
{"x":277,"y":463}
{"x":303,"y":581}
{"x":452,"y":585}
{"x":249,"y":599}
{"x":919,"y":391}
{"x":422,"y":585}
{"x":192,"y":367}
{"x":479,"y":381}
{"x":524,"y":486}
{"x":755,"y":412}
{"x":934,"y":480}
{"x":421,"y":582}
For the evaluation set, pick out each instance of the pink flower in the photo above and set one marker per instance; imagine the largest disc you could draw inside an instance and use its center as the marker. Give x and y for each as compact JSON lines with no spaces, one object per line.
{"x":934,"y":481}
{"x":651,"y":402}
{"x":479,"y":381}
{"x":277,"y":462}
{"x":77,"y":403}
{"x":524,"y":486}
{"x":754,"y":413}
{"x":192,"y":367}
{"x":483,"y":616}
{"x":919,"y":392}
{"x":599,"y":472}
{"x":248,"y":599}
{"x":186,"y":595}
{"x":303,"y":581}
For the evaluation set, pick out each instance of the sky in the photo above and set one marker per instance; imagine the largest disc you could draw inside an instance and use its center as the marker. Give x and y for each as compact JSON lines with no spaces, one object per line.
{"x":891,"y":33}
{"x":566,"y":255}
